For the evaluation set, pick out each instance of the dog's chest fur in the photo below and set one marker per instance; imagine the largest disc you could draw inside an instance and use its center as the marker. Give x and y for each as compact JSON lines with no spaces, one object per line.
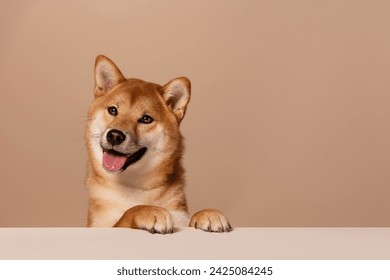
{"x":110,"y":201}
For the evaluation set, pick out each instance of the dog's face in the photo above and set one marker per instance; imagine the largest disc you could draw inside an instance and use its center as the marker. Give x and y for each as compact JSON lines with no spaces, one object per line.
{"x":133,"y":122}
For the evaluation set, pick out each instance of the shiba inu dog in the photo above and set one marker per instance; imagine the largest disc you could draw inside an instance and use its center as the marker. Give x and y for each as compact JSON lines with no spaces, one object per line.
{"x":135,"y":175}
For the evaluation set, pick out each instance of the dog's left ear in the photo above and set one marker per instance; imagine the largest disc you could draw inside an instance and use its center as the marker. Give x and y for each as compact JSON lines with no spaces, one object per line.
{"x":176,"y":94}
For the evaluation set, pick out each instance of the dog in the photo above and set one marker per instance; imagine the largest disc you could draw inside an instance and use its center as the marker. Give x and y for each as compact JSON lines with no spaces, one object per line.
{"x":135,"y":176}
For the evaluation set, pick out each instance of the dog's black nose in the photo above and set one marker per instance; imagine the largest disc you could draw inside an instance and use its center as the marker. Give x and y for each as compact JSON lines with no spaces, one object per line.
{"x":115,"y":137}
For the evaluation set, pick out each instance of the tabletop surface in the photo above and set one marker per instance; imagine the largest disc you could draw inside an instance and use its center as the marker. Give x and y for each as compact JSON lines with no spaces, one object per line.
{"x":188,"y":243}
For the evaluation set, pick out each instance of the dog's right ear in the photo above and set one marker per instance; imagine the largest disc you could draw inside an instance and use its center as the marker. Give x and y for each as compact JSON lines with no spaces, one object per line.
{"x":107,"y":75}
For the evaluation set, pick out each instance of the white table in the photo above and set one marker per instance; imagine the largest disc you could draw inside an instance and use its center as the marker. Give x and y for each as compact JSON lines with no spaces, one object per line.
{"x":187,"y":243}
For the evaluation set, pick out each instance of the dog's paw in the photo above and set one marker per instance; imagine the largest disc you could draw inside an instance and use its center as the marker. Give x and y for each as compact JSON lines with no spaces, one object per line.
{"x":210,"y":220}
{"x":151,"y":218}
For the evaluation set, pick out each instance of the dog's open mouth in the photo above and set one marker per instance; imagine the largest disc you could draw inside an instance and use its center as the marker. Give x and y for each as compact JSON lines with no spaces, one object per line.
{"x":115,"y":162}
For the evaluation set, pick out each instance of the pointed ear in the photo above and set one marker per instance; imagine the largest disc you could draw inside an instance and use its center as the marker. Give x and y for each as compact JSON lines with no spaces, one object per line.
{"x":107,"y":75}
{"x":177,"y":94}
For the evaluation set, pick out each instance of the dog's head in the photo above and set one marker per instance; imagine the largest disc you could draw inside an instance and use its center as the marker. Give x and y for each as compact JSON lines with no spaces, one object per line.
{"x":131,"y":120}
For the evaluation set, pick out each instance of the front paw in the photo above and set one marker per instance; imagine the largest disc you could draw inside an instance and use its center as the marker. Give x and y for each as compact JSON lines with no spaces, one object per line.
{"x":210,"y":220}
{"x":151,"y":218}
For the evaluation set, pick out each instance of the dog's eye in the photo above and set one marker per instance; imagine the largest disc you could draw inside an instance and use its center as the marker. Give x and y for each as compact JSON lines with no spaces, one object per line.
{"x":112,"y":110}
{"x":146,"y":119}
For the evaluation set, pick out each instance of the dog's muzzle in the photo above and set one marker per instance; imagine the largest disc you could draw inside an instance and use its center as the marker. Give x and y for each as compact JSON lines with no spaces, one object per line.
{"x":115,"y":161}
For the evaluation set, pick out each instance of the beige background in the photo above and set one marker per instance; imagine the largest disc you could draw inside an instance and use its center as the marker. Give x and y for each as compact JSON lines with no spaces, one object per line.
{"x":289,"y":122}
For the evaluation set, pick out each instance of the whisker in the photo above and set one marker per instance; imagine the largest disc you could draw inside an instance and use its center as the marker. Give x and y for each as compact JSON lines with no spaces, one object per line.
{"x":155,"y":149}
{"x":95,"y":135}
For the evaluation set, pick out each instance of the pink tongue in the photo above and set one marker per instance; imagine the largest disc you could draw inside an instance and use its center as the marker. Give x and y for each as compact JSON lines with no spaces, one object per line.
{"x":113,"y":163}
